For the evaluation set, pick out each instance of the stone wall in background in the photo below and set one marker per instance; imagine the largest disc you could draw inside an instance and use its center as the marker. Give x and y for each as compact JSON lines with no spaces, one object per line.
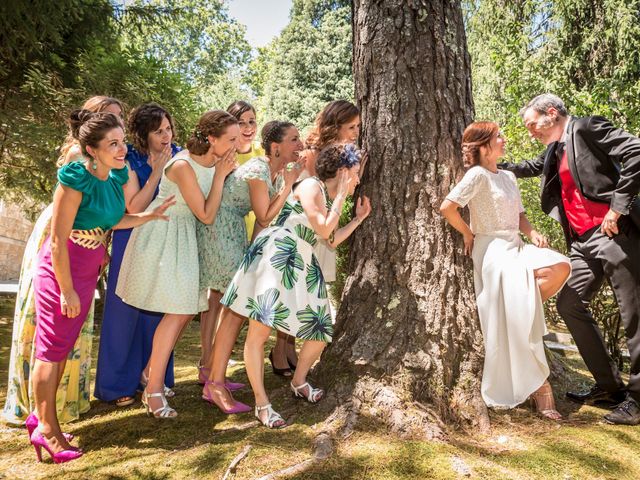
{"x":14,"y":232}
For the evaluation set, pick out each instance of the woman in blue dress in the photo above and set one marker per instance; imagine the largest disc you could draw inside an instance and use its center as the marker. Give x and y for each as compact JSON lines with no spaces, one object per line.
{"x":127,"y":332}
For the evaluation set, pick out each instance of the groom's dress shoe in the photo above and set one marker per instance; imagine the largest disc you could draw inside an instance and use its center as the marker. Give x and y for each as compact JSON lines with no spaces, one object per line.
{"x":597,"y":396}
{"x":627,"y":413}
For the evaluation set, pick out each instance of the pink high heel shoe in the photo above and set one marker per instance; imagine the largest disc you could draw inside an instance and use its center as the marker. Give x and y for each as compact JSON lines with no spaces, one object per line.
{"x":203,"y":378}
{"x":39,"y":442}
{"x":238,"y":407}
{"x":32,"y":423}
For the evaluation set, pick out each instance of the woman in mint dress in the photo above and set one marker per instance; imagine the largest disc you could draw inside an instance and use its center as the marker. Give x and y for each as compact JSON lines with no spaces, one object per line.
{"x":160,"y":270}
{"x":280,"y":284}
{"x":246,"y":149}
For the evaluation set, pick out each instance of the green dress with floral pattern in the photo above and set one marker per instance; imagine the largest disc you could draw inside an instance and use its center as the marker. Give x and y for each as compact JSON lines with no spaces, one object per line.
{"x":280,"y":282}
{"x":221,"y":246}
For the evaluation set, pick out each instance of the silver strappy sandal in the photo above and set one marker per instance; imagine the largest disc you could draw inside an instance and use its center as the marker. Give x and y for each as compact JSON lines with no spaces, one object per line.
{"x":165,"y":411}
{"x":313,"y":395}
{"x":273,"y":420}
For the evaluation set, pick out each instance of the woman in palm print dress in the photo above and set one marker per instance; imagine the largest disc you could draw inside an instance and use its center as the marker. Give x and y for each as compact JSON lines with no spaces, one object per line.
{"x":280,"y":283}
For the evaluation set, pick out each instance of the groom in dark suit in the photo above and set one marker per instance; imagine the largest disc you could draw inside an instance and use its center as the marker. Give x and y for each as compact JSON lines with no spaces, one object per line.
{"x":590,"y":183}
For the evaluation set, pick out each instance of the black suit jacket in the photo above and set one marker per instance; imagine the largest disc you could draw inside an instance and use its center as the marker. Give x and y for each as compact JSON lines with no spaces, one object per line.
{"x":604,"y":162}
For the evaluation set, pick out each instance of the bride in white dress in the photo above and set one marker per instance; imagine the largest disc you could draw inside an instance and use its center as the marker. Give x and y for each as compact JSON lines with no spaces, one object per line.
{"x":511,"y":278}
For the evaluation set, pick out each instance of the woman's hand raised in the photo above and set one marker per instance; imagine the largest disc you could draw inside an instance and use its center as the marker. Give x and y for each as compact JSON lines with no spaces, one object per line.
{"x":363,"y":208}
{"x":157,"y":162}
{"x":227,"y":163}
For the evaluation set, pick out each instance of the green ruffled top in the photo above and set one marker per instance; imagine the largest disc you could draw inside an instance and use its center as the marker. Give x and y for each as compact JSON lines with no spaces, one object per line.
{"x":102,"y":202}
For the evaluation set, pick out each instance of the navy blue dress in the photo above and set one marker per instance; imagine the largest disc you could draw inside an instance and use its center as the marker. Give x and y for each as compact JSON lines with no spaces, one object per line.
{"x":127,"y":333}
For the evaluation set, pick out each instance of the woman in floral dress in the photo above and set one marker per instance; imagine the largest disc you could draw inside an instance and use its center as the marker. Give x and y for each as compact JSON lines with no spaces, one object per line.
{"x":280,"y":284}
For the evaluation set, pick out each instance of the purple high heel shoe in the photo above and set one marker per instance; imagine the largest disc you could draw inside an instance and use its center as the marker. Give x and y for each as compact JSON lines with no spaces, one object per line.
{"x":203,"y":378}
{"x":39,"y":442}
{"x":32,"y":423}
{"x":238,"y":407}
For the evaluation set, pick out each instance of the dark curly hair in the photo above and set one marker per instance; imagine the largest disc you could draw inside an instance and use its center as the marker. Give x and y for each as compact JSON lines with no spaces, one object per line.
{"x":89,"y":128}
{"x":273,"y":132}
{"x":143,"y":120}
{"x":334,"y":157}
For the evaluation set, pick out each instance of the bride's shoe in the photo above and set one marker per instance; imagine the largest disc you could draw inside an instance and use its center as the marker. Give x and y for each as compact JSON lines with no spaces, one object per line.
{"x":544,"y":403}
{"x":273,"y":419}
{"x":165,"y":411}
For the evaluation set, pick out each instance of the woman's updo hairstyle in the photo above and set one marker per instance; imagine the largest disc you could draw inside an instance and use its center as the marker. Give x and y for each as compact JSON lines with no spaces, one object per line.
{"x":145,"y":119}
{"x":328,"y":122}
{"x":274,"y":132}
{"x":334,"y":157}
{"x":212,"y":123}
{"x":476,"y":135}
{"x":89,"y":128}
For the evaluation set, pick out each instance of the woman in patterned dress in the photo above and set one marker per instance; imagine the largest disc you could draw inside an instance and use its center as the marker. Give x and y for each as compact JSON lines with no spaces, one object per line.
{"x":512,"y":279}
{"x":337,"y":123}
{"x":223,"y":244}
{"x":160,"y":270}
{"x":280,"y":284}
{"x":72,"y":398}
{"x":246,"y":149}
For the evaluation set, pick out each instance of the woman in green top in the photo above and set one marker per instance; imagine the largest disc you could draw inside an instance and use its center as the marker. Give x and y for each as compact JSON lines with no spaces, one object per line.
{"x":87,"y":203}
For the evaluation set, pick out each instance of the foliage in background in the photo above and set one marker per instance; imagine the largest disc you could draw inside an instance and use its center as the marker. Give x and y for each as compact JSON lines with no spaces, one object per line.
{"x":308,"y":65}
{"x":57,"y":54}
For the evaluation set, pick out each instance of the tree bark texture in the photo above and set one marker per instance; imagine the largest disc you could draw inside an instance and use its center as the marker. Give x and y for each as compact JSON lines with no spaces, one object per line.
{"x":408,"y":346}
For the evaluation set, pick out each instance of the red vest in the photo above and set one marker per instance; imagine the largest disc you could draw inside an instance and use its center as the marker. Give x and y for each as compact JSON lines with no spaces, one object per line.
{"x":582,"y":213}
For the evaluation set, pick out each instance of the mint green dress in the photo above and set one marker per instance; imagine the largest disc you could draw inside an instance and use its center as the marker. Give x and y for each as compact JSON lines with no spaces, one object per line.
{"x":222,"y":245}
{"x":160,"y":268}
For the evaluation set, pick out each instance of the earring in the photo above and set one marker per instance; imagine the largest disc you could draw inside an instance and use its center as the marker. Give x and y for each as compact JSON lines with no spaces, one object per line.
{"x":94,"y":164}
{"x":277,"y":153}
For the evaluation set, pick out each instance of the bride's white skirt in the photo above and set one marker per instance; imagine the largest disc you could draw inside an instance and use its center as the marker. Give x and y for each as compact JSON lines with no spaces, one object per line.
{"x":511,"y":316}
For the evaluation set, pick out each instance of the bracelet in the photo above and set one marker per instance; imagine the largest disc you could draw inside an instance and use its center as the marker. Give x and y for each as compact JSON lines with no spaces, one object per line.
{"x":337,"y":211}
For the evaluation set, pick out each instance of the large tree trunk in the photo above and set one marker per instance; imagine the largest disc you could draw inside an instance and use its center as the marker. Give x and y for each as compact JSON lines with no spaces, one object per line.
{"x":408,"y":347}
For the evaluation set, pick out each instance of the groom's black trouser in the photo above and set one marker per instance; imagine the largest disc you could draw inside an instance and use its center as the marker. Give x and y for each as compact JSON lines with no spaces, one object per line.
{"x":594,"y":257}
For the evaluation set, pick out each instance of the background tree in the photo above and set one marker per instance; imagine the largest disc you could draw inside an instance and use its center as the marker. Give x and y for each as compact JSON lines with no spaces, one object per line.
{"x":407,"y":348}
{"x":308,"y":65}
{"x":57,"y":54}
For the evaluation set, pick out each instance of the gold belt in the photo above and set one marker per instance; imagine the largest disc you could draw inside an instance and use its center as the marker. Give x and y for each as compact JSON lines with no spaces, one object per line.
{"x":90,"y":239}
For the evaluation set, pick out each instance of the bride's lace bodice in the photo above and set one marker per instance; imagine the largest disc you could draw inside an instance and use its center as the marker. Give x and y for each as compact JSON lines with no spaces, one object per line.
{"x":493,"y":198}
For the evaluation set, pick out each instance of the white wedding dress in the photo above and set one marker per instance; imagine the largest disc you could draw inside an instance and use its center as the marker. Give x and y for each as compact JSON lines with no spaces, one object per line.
{"x":508,"y":298}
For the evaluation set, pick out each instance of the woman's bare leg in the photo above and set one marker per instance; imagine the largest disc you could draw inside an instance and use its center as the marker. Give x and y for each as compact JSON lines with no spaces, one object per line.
{"x":208,"y":325}
{"x":45,"y":380}
{"x":550,"y":279}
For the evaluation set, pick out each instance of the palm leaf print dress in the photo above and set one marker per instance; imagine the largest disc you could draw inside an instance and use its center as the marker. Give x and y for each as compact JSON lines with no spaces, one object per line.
{"x":280,"y":282}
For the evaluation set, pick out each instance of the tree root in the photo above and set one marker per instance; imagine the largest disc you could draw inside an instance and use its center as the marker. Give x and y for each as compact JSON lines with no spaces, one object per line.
{"x":322,"y":449}
{"x":234,"y":463}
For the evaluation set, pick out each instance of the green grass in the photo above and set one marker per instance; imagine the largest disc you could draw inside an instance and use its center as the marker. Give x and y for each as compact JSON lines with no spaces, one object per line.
{"x":201,"y":442}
